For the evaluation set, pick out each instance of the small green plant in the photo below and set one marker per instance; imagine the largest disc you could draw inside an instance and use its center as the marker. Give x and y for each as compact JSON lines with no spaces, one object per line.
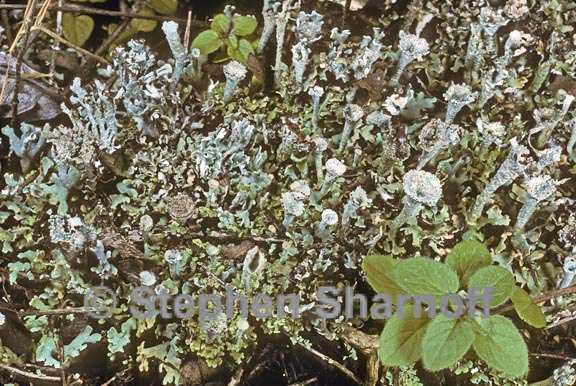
{"x":234,"y":32}
{"x":441,"y":341}
{"x":78,"y":28}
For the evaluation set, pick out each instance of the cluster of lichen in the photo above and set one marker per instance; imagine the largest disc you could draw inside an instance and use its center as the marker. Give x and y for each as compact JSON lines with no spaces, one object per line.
{"x":394,"y":143}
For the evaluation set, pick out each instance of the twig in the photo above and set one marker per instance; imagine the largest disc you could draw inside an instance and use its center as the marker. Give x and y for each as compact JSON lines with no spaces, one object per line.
{"x":27,"y":24}
{"x":114,"y":35}
{"x":58,"y":311}
{"x":6,"y":22}
{"x":552,"y":355}
{"x":28,"y":374}
{"x":347,"y":7}
{"x":71,"y":45}
{"x":95,"y":11}
{"x":188,"y":30}
{"x":334,"y":363}
{"x":306,"y":382}
{"x":366,"y":343}
{"x":56,"y":46}
{"x":561,"y":322}
{"x":233,"y":238}
{"x":542,"y":298}
{"x":237,"y":377}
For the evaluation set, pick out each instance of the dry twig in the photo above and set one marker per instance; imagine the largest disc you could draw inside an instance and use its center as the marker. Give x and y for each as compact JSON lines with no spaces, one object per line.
{"x":96,"y":11}
{"x":29,"y":375}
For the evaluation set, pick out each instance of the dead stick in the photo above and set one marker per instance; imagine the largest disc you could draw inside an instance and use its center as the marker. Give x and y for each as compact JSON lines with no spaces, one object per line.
{"x":27,"y":25}
{"x":71,"y":45}
{"x":543,"y":298}
{"x":104,"y":12}
{"x":114,"y":35}
{"x":59,"y":311}
{"x":28,"y":374}
{"x":334,"y":363}
{"x":552,"y":355}
{"x":6,"y":22}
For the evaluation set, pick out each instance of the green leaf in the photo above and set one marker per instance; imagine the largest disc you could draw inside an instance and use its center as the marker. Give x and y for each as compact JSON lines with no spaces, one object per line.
{"x":527,"y":310}
{"x":77,"y":29}
{"x":80,"y":343}
{"x":378,"y":269}
{"x":164,"y":7}
{"x":234,"y":53}
{"x":424,"y":276}
{"x":144,"y":25}
{"x":499,"y":279}
{"x":207,"y":42}
{"x":467,"y":257}
{"x":446,"y":341}
{"x":244,"y":25}
{"x":246,"y":49}
{"x":499,"y":343}
{"x":221,"y":24}
{"x":232,"y":41}
{"x":401,"y":339}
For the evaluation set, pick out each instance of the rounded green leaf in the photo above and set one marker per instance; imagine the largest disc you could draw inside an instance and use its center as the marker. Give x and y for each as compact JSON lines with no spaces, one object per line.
{"x":378,"y":269}
{"x":446,"y":341}
{"x":527,"y":310}
{"x":207,"y":42}
{"x":144,"y":25}
{"x":232,"y":41}
{"x":221,"y":24}
{"x":467,"y":257}
{"x":164,"y":7}
{"x":246,"y":49}
{"x":77,"y":29}
{"x":401,"y":340}
{"x":244,"y":25}
{"x":499,"y":343}
{"x":424,"y":276}
{"x":500,"y":280}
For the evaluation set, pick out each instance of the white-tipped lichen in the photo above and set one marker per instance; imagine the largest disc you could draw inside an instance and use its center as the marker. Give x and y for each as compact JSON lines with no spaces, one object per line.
{"x":300,"y":58}
{"x":538,"y":189}
{"x":352,"y":115}
{"x":328,"y":219}
{"x":320,"y":146}
{"x":334,"y":169}
{"x":234,"y":72}
{"x":457,"y":96}
{"x":309,"y":26}
{"x":435,"y":137}
{"x":170,"y":29}
{"x":316,"y":93}
{"x":421,"y":189}
{"x":411,"y":48}
{"x":516,"y":162}
{"x":569,"y":273}
{"x":370,"y":52}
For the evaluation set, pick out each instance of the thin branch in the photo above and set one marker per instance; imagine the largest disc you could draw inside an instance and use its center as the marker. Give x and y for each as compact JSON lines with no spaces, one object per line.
{"x":71,"y":45}
{"x":31,"y":6}
{"x":334,"y":363}
{"x":116,"y":33}
{"x":58,"y":311}
{"x":552,"y":356}
{"x":95,"y":11}
{"x":554,"y":294}
{"x":561,"y":322}
{"x":6,"y":22}
{"x":29,"y":375}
